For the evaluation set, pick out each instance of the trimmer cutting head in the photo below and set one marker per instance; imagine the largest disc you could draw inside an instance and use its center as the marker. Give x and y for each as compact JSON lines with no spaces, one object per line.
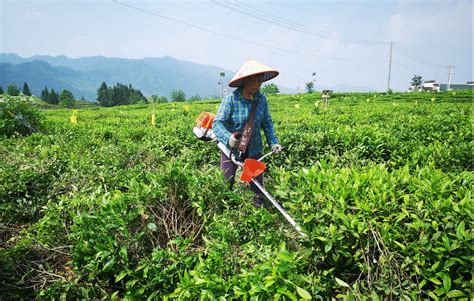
{"x":252,"y":169}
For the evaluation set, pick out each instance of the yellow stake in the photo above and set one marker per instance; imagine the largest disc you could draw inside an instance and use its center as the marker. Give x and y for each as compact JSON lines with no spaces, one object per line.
{"x":153,"y":118}
{"x":73,"y":117}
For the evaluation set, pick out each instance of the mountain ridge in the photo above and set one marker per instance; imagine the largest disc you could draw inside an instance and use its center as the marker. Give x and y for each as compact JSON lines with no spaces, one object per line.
{"x":150,"y":75}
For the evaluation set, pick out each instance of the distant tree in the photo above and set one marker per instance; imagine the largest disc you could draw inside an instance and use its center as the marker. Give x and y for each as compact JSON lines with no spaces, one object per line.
{"x":119,"y":94}
{"x":158,"y":99}
{"x":102,"y":95}
{"x":195,"y":98}
{"x":66,"y":99}
{"x":310,"y":87}
{"x":416,"y":82}
{"x":26,"y":90}
{"x":177,"y":95}
{"x":45,"y":94}
{"x":1,"y":90}
{"x":53,"y":97}
{"x":82,"y":98}
{"x":136,"y":96}
{"x":270,"y":89}
{"x":13,"y":90}
{"x":153,"y":98}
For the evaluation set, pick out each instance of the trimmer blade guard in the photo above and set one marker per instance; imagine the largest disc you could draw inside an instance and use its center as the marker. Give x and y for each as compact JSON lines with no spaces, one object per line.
{"x":252,"y":169}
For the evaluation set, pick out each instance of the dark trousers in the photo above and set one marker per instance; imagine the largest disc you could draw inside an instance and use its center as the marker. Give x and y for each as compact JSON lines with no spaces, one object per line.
{"x":229,"y":169}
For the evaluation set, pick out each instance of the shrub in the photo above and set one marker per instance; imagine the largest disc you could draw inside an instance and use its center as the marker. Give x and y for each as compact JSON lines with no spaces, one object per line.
{"x":17,"y":115}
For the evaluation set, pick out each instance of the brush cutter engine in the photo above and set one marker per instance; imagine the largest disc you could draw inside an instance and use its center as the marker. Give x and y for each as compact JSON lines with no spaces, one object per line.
{"x":203,"y":131}
{"x":203,"y":128}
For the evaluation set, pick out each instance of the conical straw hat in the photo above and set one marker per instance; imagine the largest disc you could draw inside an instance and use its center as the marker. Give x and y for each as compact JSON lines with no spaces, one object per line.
{"x":249,"y":68}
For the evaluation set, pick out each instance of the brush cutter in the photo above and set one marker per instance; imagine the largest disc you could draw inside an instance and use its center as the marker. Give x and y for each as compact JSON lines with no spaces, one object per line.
{"x":251,"y":167}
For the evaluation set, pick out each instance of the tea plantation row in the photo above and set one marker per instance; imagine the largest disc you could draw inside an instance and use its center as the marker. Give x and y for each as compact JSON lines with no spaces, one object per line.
{"x":113,"y":207}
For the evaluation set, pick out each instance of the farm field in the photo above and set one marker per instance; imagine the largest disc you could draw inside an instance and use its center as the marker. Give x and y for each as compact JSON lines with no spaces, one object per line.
{"x":114,"y":208}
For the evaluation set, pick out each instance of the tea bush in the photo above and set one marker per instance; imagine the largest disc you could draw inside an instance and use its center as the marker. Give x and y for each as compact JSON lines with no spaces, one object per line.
{"x":115,"y":208}
{"x":18,"y":116}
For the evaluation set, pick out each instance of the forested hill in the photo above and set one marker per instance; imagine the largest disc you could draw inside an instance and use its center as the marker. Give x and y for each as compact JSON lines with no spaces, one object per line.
{"x":83,"y":76}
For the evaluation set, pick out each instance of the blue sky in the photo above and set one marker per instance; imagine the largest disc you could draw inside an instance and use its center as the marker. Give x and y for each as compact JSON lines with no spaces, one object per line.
{"x":427,"y":36}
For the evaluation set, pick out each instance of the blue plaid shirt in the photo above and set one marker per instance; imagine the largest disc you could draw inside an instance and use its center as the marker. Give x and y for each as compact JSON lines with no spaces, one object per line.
{"x":232,"y":116}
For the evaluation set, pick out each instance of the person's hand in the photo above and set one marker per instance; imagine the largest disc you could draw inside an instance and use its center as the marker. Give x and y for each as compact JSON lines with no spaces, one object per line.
{"x":234,"y":142}
{"x":276,"y":148}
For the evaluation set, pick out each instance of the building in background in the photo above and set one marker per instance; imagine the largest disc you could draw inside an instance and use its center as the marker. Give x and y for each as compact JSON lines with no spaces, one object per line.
{"x":430,"y":85}
{"x":467,"y":86}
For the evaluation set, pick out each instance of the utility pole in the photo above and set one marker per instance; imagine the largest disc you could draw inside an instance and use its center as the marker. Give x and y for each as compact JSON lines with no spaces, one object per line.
{"x":449,"y":77}
{"x":389,"y":67}
{"x":221,"y":82}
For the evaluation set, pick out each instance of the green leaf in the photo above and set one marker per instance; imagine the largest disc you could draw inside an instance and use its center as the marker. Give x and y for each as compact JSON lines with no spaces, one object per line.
{"x":287,"y":293}
{"x":460,"y":233}
{"x":123,"y":253}
{"x":238,"y":291}
{"x":121,"y":276}
{"x":374,"y":296}
{"x":285,"y":256}
{"x":435,"y":266}
{"x":303,"y":293}
{"x":269,"y":283}
{"x":435,"y":281}
{"x":200,"y":281}
{"x":422,"y":283}
{"x":455,"y":294}
{"x":399,"y":244}
{"x":432,"y":295}
{"x":109,"y":264}
{"x":342,"y":283}
{"x":328,"y":247}
{"x":114,"y":296}
{"x":131,"y":283}
{"x":446,"y":282}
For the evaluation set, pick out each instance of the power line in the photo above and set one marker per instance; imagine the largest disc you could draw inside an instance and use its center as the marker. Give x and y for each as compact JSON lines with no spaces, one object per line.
{"x":278,"y":18}
{"x":245,"y":40}
{"x":323,"y":34}
{"x":328,"y":34}
{"x":406,"y":53}
{"x":410,"y":69}
{"x":260,"y":15}
{"x":407,"y":68}
{"x":464,"y":73}
{"x":442,"y":72}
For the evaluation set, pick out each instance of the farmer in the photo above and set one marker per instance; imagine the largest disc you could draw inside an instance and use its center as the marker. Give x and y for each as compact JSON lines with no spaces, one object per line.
{"x":233,"y":115}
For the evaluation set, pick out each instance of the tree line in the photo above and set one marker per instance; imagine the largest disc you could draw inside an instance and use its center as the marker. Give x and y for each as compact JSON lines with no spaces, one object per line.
{"x":65,"y":98}
{"x":14,"y":90}
{"x":118,"y":95}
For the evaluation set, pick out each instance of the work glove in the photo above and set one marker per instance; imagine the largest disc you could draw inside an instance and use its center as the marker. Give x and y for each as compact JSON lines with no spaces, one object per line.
{"x":276,"y":148}
{"x":234,"y":142}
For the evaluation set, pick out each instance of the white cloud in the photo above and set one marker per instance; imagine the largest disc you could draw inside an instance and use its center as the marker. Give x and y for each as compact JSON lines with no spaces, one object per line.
{"x":437,"y":21}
